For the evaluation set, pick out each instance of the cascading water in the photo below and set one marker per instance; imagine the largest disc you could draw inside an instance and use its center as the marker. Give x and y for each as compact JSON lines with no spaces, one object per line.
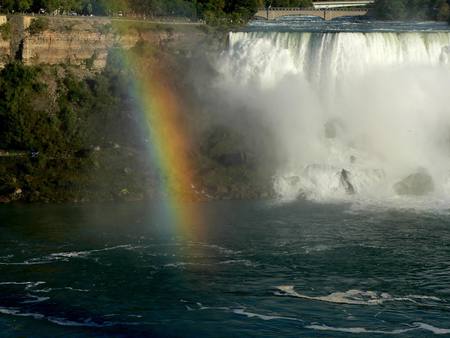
{"x":353,"y":114}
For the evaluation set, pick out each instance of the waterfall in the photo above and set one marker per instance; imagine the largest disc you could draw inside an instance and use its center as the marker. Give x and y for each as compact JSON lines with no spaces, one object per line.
{"x":355,"y":115}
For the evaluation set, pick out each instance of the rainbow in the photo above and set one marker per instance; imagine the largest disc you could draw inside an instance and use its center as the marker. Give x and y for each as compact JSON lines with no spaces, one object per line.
{"x":168,"y":143}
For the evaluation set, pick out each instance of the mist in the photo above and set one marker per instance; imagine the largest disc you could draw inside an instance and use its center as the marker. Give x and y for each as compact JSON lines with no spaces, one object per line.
{"x":345,"y":114}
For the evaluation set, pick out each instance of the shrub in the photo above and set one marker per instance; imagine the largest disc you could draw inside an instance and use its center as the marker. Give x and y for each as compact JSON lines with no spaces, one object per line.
{"x":5,"y":31}
{"x":38,"y":25}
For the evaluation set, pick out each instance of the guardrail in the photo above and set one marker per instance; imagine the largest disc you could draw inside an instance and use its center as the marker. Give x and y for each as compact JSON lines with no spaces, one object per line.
{"x":298,"y":9}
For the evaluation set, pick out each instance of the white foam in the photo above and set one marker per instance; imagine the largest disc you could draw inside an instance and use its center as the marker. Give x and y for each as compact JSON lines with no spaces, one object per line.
{"x":219,"y":248}
{"x":417,"y":326}
{"x":86,"y":323}
{"x":435,"y":330}
{"x":260,"y":316}
{"x":245,"y":262}
{"x":35,"y":299}
{"x":83,"y":254}
{"x":28,"y":285}
{"x":18,"y":313}
{"x":353,"y":297}
{"x":242,"y":312}
{"x":355,"y":329}
{"x":66,"y":256}
{"x":64,"y":321}
{"x":323,"y":327}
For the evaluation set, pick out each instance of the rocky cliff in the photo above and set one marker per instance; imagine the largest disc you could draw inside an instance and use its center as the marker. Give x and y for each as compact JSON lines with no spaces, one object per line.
{"x":81,"y":41}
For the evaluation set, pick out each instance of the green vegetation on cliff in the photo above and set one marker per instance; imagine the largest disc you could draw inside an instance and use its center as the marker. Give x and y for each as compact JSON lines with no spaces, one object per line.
{"x":68,"y":134}
{"x":5,"y":31}
{"x":412,"y":9}
{"x":58,"y":132}
{"x":38,"y":25}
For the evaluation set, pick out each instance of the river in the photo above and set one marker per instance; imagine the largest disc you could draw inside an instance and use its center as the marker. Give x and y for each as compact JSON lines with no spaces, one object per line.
{"x":261,"y":269}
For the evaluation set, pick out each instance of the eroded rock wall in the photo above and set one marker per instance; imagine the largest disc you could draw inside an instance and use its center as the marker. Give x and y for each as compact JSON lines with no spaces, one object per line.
{"x":80,"y":41}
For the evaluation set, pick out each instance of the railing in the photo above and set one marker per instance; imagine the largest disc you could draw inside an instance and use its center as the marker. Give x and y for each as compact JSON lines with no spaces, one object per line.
{"x":316,"y":1}
{"x":310,"y":9}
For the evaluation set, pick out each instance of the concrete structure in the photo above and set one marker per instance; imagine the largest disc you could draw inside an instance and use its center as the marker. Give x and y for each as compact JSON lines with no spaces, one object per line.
{"x":341,"y":4}
{"x":326,"y":14}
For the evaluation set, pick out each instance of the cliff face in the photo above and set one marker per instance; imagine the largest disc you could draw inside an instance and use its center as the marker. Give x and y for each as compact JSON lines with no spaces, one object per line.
{"x":69,"y":41}
{"x":81,"y":41}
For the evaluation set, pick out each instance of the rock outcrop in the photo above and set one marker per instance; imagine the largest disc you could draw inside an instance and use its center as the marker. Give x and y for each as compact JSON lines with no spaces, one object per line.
{"x":78,"y":41}
{"x":417,"y":184}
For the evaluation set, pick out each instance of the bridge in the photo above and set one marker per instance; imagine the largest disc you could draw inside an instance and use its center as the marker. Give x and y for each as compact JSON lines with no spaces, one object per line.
{"x":341,"y":3}
{"x":326,"y":14}
{"x":325,"y":9}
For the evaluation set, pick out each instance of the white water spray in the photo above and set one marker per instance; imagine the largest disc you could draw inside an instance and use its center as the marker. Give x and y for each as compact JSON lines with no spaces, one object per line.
{"x":354,"y":114}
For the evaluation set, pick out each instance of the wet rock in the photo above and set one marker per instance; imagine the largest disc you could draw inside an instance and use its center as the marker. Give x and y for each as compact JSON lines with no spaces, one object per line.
{"x":4,"y":200}
{"x":345,"y":181}
{"x":232,"y":159}
{"x":17,"y":194}
{"x":417,"y":184}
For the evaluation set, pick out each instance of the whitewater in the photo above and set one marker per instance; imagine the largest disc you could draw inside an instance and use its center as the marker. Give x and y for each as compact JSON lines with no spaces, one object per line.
{"x":355,"y":115}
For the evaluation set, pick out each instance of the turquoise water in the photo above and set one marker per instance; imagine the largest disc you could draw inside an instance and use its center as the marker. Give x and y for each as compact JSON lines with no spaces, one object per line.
{"x":260,"y":269}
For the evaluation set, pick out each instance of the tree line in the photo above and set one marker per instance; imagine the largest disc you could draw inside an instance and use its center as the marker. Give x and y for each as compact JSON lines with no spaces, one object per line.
{"x":216,"y":10}
{"x":412,"y":9}
{"x":289,"y":3}
{"x":187,"y":8}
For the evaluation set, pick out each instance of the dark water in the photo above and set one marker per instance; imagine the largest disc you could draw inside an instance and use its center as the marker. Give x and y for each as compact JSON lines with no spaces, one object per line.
{"x":259,"y":270}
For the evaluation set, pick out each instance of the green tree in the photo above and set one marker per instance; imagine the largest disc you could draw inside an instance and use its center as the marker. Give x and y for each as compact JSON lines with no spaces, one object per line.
{"x":22,"y":124}
{"x":16,"y":5}
{"x":47,"y":5}
{"x":390,"y":9}
{"x":443,"y":10}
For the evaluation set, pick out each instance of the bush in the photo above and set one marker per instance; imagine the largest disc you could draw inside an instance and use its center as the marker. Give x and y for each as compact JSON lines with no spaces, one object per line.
{"x":38,"y":26}
{"x":5,"y":31}
{"x":443,"y":13}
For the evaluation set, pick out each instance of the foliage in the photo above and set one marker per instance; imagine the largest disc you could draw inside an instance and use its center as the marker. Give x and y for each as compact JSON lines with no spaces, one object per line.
{"x":19,"y":86}
{"x":412,"y":9}
{"x":289,"y":3}
{"x":16,"y":5}
{"x":5,"y":31}
{"x":55,"y":131}
{"x":38,"y":25}
{"x":443,"y":11}
{"x":219,"y":9}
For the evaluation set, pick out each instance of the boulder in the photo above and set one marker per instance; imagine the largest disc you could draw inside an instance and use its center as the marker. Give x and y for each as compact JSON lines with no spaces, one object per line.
{"x":345,"y":181}
{"x":417,"y":184}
